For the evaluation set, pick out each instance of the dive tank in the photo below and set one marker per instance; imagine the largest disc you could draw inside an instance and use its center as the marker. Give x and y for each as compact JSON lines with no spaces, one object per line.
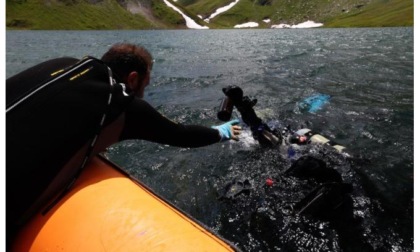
{"x":306,"y":136}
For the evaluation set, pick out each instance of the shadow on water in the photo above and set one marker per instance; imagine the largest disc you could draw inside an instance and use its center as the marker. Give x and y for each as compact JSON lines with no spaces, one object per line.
{"x":318,"y":210}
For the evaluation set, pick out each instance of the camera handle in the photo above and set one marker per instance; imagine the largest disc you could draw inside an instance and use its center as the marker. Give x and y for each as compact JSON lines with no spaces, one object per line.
{"x":260,"y":131}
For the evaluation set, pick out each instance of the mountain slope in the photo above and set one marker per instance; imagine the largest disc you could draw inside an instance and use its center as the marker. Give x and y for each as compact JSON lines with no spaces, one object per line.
{"x":378,"y":14}
{"x":92,"y":14}
{"x":334,"y":13}
{"x":155,"y":14}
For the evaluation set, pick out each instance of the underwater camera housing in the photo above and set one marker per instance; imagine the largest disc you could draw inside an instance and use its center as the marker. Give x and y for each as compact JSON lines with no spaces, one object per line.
{"x":260,"y":131}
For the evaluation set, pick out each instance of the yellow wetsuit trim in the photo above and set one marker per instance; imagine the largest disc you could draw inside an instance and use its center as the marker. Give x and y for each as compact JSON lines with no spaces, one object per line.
{"x":80,"y":74}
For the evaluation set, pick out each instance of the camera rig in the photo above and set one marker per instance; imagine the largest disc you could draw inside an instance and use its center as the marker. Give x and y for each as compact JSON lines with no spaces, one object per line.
{"x":260,"y":131}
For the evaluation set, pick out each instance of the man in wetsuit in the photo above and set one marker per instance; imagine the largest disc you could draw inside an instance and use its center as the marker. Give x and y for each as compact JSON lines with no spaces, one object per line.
{"x":48,"y":138}
{"x":132,"y":65}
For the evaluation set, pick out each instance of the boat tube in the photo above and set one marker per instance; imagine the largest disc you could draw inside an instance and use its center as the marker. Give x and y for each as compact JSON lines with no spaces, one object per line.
{"x":107,"y":210}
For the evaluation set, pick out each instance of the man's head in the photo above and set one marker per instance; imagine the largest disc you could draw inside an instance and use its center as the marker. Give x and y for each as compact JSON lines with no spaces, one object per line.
{"x":131,"y":64}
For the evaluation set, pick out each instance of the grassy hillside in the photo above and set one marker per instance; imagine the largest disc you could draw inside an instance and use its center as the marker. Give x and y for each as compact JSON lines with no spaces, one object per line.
{"x":337,"y":13}
{"x":109,"y":14}
{"x":81,"y":15}
{"x":382,"y":13}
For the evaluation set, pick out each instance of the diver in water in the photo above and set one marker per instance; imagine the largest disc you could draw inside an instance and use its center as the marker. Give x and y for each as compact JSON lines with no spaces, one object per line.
{"x":62,"y":112}
{"x":261,"y":132}
{"x":311,"y":187}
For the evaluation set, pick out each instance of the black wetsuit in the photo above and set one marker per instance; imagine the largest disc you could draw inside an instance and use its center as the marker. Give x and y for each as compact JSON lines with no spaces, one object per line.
{"x":46,"y":130}
{"x":142,"y":121}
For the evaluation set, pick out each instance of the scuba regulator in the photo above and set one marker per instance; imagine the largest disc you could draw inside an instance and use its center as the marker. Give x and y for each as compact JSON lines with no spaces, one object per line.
{"x":260,"y":131}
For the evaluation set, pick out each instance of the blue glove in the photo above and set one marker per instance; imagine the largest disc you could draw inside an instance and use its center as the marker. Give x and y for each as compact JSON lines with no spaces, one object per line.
{"x":229,"y":130}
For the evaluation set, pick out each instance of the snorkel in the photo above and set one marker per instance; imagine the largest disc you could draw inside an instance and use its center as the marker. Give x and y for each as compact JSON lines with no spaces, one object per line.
{"x":260,"y":131}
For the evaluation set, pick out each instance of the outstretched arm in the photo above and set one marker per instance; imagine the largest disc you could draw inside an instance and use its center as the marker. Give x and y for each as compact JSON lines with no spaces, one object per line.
{"x":144,"y":122}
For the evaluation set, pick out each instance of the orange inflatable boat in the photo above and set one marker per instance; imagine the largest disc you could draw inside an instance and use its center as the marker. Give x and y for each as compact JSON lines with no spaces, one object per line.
{"x":106,"y":210}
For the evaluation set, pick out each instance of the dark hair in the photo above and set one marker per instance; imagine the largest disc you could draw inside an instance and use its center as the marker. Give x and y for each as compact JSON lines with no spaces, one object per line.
{"x":124,"y":58}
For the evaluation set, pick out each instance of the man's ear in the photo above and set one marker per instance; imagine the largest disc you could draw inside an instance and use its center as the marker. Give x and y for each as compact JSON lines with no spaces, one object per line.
{"x":133,"y":80}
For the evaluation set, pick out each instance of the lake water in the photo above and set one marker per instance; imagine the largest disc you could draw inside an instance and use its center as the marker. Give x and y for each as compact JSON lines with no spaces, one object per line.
{"x":367,"y":72}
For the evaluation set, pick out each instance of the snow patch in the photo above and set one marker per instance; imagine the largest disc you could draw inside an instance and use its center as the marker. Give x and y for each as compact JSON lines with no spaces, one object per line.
{"x":307,"y":24}
{"x":189,"y":21}
{"x":221,"y":10}
{"x":247,"y":25}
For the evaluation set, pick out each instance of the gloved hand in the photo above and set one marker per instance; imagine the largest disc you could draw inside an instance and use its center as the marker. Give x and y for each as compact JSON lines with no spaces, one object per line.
{"x":229,"y":130}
